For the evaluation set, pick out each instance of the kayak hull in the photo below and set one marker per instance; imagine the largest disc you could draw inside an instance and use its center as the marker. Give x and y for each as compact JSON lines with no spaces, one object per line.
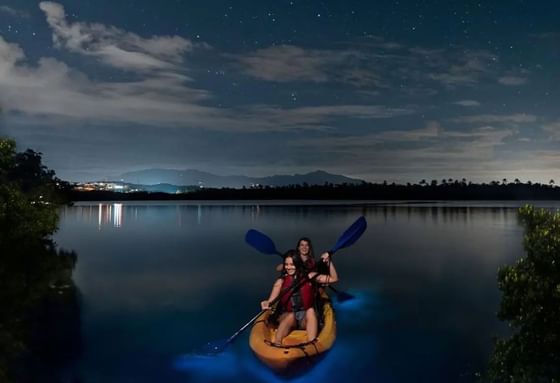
{"x":296,"y":353}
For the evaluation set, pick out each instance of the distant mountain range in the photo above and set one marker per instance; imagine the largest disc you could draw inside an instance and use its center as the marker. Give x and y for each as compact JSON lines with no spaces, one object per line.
{"x":191,"y":177}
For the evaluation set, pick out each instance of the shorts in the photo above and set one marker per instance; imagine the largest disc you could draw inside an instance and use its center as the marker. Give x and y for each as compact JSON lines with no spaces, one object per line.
{"x":300,"y":316}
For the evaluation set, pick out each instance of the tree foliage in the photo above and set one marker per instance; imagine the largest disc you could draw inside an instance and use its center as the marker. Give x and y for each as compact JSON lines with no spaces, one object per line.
{"x":531,"y":305}
{"x":39,"y":314}
{"x":29,"y":194}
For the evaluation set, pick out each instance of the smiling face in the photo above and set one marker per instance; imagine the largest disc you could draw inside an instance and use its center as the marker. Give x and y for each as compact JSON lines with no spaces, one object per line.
{"x":303,"y":248}
{"x":289,"y":266}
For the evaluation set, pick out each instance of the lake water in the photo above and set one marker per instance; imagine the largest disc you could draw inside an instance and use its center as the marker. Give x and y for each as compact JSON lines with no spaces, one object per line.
{"x":159,"y":280}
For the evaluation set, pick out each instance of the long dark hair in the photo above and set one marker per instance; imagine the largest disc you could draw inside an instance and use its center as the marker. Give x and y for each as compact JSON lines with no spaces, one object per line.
{"x":298,"y":263}
{"x":306,"y":239}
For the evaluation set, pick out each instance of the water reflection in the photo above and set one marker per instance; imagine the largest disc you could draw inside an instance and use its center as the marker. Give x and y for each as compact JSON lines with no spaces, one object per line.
{"x":118,"y":214}
{"x":107,"y":214}
{"x":40,"y":317}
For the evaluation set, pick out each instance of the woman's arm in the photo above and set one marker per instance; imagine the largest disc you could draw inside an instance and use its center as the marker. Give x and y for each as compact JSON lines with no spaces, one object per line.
{"x":332,"y":277}
{"x":273,"y":294}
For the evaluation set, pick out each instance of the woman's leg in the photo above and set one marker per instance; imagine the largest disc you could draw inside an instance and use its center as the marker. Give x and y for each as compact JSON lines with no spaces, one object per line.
{"x":287,"y":322}
{"x":311,"y":325}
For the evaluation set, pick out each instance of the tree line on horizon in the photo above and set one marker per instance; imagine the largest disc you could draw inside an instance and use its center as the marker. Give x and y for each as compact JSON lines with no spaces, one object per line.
{"x":446,"y":189}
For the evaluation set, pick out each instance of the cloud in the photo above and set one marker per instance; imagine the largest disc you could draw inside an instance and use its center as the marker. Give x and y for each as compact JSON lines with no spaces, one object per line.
{"x":288,"y":63}
{"x":53,"y":90}
{"x":433,"y":130}
{"x":432,"y":135}
{"x":464,"y":68}
{"x":496,"y":119}
{"x":467,"y":103}
{"x":113,"y":46}
{"x":545,"y":35}
{"x":10,"y":54}
{"x":379,"y":42}
{"x":320,"y":115}
{"x":372,"y":65}
{"x":161,"y":95}
{"x":512,"y":80}
{"x":285,"y":63}
{"x":552,"y":131}
{"x":424,"y":152}
{"x":12,"y":11}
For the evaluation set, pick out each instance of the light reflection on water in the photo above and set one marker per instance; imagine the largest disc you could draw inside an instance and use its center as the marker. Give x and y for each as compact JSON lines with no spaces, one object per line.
{"x":158,"y":280}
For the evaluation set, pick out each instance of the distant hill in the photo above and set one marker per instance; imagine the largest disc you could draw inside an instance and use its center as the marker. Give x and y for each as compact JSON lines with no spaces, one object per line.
{"x":194,"y":177}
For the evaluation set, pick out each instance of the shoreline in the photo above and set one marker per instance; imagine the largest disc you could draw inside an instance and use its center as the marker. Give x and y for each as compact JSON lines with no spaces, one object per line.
{"x":513,"y":204}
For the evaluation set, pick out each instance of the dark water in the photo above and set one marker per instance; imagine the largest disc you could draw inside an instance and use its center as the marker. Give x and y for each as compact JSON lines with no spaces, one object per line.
{"x":159,"y":280}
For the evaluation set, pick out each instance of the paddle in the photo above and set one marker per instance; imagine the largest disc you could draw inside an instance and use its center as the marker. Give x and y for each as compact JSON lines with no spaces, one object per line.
{"x":264,"y":244}
{"x":351,"y":235}
{"x":219,"y":346}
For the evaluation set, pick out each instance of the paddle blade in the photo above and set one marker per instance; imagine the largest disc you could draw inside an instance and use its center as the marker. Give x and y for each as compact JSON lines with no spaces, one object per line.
{"x":342,"y":296}
{"x":351,"y":235}
{"x":261,"y":242}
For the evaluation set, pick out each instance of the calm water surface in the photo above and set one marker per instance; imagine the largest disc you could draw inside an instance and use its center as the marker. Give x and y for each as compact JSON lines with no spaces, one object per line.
{"x":159,"y":280}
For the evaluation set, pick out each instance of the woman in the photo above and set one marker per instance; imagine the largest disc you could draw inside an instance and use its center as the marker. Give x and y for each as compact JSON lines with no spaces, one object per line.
{"x":304,"y":250}
{"x":305,"y":253}
{"x":296,"y":292}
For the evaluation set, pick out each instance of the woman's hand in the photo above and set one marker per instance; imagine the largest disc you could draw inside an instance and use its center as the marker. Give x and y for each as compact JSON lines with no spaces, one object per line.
{"x":265,"y":305}
{"x":326,"y":257}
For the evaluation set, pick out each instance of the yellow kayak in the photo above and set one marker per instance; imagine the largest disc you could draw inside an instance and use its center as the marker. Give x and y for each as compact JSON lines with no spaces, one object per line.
{"x":296,"y":352}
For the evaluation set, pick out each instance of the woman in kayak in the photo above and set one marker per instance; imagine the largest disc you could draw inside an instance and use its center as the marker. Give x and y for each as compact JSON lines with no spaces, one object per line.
{"x":296,"y":288}
{"x":304,"y":251}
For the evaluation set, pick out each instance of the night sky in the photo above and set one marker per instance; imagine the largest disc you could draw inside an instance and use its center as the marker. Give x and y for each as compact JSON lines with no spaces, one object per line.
{"x":380,"y":90}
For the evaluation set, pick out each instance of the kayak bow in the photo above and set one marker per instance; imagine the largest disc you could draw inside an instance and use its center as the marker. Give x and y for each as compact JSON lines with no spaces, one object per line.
{"x":296,"y":351}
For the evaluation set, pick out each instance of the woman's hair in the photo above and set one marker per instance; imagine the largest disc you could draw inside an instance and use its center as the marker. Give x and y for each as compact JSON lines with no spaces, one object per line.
{"x":298,"y":263}
{"x":311,"y":255}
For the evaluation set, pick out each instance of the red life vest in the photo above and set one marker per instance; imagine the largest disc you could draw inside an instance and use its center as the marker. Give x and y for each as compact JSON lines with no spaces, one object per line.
{"x":309,"y":264}
{"x":306,"y":292}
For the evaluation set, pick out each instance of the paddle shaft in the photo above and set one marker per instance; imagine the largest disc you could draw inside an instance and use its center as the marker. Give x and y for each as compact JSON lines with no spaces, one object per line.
{"x":264,"y":244}
{"x":273,"y":302}
{"x":232,"y":338}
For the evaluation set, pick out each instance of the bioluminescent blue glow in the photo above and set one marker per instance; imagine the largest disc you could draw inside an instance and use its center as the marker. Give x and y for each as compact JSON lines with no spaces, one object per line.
{"x":221,"y":366}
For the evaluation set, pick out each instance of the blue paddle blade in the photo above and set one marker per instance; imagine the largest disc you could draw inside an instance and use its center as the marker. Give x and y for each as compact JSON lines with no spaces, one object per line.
{"x":261,"y":242}
{"x":341,"y":296}
{"x":351,"y":235}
